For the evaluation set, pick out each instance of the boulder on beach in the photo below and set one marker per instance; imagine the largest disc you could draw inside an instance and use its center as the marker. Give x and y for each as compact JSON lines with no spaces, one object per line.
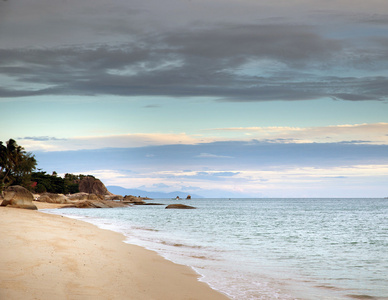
{"x":91,"y":185}
{"x":18,"y":196}
{"x":52,"y":198}
{"x":179,"y":206}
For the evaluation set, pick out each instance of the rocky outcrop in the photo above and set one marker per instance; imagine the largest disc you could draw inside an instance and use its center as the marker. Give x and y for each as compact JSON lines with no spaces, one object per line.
{"x":133,"y":200}
{"x":18,"y":196}
{"x":53,"y":198}
{"x":80,"y":200}
{"x":98,"y":204}
{"x":179,"y":206}
{"x":84,"y":196}
{"x":92,"y":185}
{"x":113,"y":197}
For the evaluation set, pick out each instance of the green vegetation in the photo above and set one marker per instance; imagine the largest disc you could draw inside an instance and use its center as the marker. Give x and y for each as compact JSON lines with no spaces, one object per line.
{"x":43,"y":182}
{"x":17,"y":168}
{"x":16,"y":165}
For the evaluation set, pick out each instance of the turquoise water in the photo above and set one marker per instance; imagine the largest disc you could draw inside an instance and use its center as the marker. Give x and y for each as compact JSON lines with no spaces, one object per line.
{"x":266,"y":248}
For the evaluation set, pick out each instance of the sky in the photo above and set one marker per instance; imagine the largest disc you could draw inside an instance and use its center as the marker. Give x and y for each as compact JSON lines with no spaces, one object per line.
{"x":231,"y":98}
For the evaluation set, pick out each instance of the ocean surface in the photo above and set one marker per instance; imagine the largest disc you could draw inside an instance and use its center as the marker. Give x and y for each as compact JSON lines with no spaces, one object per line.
{"x":265,"y":248}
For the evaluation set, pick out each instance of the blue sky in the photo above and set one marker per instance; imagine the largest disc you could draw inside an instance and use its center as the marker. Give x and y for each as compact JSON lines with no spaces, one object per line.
{"x":217,"y":98}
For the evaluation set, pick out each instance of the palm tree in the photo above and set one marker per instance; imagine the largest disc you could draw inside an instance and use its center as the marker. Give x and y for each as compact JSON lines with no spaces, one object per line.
{"x":15,"y":163}
{"x":3,"y":159}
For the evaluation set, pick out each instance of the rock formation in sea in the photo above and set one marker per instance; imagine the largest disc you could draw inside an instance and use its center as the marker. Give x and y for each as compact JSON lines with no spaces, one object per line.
{"x":133,"y":200}
{"x":179,"y":206}
{"x":18,"y":196}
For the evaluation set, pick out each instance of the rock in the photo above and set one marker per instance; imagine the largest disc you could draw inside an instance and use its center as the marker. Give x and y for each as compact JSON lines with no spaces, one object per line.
{"x":95,"y":197}
{"x":84,"y":200}
{"x":188,"y":197}
{"x":90,"y":204}
{"x":113,"y":197}
{"x":85,"y":196}
{"x":92,"y":185}
{"x":97,"y":204}
{"x":53,"y":198}
{"x":133,"y":200}
{"x":18,"y":196}
{"x":78,"y":196}
{"x":179,"y":206}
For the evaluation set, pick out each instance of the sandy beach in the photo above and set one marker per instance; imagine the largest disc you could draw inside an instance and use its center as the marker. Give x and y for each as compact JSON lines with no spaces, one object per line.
{"x":52,"y":257}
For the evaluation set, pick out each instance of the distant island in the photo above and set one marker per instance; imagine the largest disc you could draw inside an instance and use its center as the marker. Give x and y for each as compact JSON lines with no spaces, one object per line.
{"x":118,"y":190}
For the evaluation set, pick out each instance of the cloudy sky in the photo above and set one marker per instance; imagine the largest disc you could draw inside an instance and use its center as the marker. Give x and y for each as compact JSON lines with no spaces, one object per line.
{"x":232,"y":98}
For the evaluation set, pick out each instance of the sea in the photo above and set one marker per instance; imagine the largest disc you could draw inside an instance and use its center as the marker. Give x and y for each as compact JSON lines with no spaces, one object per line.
{"x":264,"y":248}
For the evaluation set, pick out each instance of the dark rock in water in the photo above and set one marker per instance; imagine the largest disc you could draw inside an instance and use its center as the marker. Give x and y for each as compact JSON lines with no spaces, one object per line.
{"x":179,"y":206}
{"x":19,"y":197}
{"x":153,"y":204}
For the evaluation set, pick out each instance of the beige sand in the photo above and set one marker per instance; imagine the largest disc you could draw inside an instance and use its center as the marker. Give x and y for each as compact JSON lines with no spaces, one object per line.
{"x":52,"y":257}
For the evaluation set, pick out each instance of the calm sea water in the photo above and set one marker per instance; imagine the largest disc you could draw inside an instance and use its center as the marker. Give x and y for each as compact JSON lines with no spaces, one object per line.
{"x":266,"y":248}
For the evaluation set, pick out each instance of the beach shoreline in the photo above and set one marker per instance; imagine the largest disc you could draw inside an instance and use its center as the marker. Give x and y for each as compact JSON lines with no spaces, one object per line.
{"x":46,"y":256}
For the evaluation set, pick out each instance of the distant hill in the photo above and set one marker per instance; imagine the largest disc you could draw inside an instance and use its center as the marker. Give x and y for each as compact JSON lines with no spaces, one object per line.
{"x":118,"y":190}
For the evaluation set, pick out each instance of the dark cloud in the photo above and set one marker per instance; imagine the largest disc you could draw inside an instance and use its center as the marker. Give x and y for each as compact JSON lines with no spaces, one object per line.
{"x":367,"y":88}
{"x":378,"y":19}
{"x":238,"y":43}
{"x":212,"y":62}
